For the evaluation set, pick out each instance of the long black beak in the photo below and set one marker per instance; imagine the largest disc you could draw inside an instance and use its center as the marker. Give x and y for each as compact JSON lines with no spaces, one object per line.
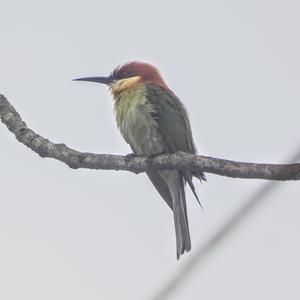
{"x":105,"y":80}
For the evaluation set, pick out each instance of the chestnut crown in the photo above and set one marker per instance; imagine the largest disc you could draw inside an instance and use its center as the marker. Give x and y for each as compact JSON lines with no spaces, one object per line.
{"x":145,"y":73}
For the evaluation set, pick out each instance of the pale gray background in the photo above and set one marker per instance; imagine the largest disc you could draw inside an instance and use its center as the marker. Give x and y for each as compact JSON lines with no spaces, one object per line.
{"x":81,"y":234}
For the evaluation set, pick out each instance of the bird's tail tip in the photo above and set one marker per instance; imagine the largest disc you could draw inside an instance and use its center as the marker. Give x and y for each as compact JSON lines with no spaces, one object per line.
{"x":181,"y":250}
{"x":183,"y":239}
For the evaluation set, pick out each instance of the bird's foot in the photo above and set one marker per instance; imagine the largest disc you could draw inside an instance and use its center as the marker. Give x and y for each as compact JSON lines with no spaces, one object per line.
{"x":129,"y":156}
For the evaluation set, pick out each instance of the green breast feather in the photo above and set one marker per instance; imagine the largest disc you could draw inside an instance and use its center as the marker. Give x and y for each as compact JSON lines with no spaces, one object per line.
{"x":131,"y":103}
{"x":154,"y":106}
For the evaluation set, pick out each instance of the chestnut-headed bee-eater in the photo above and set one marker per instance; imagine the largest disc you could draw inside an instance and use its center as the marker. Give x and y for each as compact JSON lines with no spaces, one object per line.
{"x":153,"y":121}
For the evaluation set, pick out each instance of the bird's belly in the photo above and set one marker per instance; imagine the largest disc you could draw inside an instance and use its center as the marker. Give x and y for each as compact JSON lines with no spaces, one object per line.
{"x":141,"y":132}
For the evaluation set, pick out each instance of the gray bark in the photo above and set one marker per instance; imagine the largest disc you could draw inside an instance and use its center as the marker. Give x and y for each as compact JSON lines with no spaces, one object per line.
{"x":179,"y":160}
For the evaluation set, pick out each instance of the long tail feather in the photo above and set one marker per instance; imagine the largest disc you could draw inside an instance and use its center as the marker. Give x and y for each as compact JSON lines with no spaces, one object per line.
{"x":176,"y":187}
{"x":188,"y":179}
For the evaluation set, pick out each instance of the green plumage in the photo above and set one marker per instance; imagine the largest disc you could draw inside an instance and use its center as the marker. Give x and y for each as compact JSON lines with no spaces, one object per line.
{"x":153,"y":121}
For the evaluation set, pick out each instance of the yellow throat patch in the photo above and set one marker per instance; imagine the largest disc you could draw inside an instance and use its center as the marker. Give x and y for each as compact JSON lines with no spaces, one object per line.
{"x":124,"y":84}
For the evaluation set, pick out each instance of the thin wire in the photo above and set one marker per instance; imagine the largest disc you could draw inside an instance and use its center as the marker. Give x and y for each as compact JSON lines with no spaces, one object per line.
{"x":204,"y":250}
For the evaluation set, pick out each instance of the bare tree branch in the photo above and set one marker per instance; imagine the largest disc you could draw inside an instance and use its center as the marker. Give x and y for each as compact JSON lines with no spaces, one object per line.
{"x":75,"y":159}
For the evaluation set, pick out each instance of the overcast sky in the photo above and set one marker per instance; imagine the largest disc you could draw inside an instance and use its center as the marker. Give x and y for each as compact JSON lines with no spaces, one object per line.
{"x":82,"y":234}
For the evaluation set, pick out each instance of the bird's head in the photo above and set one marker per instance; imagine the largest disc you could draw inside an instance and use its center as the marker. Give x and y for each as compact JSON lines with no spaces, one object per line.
{"x":129,"y":76}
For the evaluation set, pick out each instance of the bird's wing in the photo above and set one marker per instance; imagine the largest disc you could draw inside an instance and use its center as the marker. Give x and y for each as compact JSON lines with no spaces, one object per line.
{"x":172,"y":119}
{"x":174,"y":125}
{"x":161,"y":186}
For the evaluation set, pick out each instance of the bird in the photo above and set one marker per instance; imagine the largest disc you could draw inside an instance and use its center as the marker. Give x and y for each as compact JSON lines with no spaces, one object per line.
{"x":154,"y":121}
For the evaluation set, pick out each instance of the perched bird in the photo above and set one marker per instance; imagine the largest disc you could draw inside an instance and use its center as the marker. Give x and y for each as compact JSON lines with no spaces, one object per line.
{"x":153,"y":121}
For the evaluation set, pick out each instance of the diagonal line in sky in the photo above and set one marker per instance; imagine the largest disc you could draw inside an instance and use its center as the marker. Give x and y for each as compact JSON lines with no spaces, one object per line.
{"x":201,"y":254}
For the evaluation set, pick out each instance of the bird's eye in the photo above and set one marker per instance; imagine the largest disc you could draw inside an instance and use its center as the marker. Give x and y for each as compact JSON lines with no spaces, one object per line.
{"x":125,"y":74}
